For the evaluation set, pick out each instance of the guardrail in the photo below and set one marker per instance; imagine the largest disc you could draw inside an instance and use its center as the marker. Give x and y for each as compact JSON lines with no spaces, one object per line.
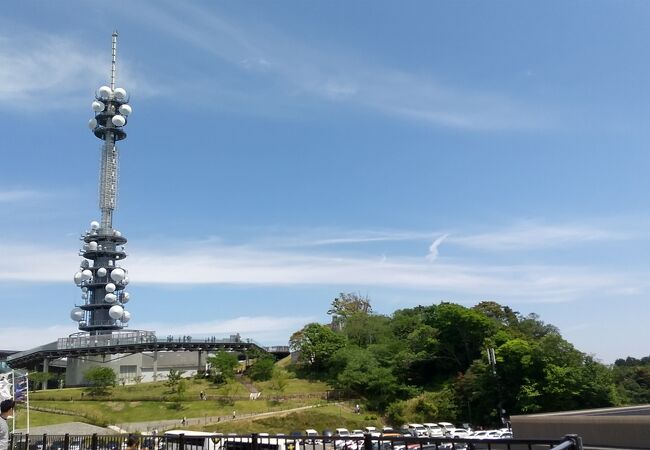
{"x":192,"y":440}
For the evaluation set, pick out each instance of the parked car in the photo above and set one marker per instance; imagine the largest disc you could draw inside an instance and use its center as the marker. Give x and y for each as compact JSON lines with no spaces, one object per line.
{"x":327,"y":435}
{"x":459,"y":433}
{"x":372,"y":431}
{"x":433,"y":429}
{"x":417,"y":430}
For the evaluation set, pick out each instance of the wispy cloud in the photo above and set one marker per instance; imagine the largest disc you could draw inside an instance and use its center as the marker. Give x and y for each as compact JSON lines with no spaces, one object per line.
{"x":21,"y":195}
{"x":217,"y":263}
{"x":433,"y":248}
{"x":35,"y":65}
{"x":536,"y":236}
{"x":340,"y":78}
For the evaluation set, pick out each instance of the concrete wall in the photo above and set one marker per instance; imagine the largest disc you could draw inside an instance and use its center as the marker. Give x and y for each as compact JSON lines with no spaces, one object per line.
{"x":631,"y":432}
{"x":74,"y":374}
{"x":152,"y":366}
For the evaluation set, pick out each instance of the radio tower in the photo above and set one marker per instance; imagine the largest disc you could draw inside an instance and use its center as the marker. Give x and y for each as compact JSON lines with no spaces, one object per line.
{"x":100,"y":277}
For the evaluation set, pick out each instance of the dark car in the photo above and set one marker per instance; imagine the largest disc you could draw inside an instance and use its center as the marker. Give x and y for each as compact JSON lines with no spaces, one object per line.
{"x":327,"y":435}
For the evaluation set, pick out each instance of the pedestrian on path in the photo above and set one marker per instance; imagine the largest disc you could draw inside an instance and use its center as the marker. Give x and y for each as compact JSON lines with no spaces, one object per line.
{"x":234,"y":414}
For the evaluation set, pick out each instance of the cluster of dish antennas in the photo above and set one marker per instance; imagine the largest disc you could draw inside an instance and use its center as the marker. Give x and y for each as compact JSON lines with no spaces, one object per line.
{"x":112,"y":279}
{"x":111,"y":104}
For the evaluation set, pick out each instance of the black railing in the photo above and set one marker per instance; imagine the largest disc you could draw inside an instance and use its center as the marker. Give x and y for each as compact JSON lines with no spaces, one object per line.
{"x":189,"y":440}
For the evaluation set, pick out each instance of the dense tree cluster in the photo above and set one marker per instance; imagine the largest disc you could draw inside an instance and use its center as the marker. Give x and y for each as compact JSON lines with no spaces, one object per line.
{"x":430,"y":363}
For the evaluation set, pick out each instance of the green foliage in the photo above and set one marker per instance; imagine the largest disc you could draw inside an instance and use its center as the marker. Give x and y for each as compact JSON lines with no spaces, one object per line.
{"x":316,"y":344}
{"x":346,"y":306}
{"x":223,"y":365}
{"x":173,"y":379}
{"x":262,"y":368}
{"x":278,"y":384}
{"x":101,"y":380}
{"x":359,"y":373}
{"x":40,"y":378}
{"x":428,"y":362}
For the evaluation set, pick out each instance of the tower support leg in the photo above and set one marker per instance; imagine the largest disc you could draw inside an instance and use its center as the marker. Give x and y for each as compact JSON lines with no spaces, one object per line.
{"x":155,"y":366}
{"x":46,"y":369}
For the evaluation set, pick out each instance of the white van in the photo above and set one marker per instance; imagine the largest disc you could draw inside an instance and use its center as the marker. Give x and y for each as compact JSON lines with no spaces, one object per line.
{"x":263,"y":443}
{"x":194,"y":440}
{"x":446,"y":427}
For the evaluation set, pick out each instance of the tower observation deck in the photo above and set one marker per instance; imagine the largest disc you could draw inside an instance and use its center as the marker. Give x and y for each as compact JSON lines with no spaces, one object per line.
{"x":101,"y":278}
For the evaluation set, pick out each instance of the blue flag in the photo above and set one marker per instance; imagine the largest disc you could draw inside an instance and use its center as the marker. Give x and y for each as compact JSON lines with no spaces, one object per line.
{"x":20,"y":389}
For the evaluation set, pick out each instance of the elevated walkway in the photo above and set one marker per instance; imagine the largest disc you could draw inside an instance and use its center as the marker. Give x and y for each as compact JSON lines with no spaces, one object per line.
{"x":81,"y":344}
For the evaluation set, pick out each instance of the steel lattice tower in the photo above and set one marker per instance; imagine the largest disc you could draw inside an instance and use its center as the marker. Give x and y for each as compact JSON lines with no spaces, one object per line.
{"x":100,"y":276}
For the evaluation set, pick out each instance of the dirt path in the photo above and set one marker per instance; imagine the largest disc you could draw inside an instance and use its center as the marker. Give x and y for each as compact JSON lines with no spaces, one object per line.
{"x":161,"y":425}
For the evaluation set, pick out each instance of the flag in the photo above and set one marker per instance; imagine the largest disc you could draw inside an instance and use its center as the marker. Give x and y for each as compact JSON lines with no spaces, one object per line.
{"x":20,"y":388}
{"x":5,"y":387}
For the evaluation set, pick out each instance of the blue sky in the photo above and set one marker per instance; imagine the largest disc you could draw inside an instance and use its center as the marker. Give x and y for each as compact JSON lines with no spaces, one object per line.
{"x":282,"y":152}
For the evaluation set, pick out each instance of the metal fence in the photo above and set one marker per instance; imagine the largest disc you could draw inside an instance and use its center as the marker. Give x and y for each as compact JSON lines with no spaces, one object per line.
{"x":180,"y":440}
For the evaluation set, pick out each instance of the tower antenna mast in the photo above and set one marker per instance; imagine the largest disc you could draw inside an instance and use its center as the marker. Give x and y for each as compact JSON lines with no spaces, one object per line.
{"x":100,"y":277}
{"x":113,"y":61}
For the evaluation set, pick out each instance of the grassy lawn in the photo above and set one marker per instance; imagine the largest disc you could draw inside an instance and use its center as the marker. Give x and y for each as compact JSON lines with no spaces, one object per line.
{"x":153,"y":401}
{"x":143,"y":391}
{"x":38,"y":419}
{"x":141,"y":411}
{"x":321,"y":418}
{"x":296,"y":386}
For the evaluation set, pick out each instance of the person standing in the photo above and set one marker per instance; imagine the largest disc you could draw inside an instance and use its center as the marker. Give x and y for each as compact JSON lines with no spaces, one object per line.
{"x":132,"y":443}
{"x":6,"y":410}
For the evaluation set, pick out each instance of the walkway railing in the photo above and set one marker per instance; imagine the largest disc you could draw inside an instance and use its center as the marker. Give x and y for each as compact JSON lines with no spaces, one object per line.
{"x":192,"y":440}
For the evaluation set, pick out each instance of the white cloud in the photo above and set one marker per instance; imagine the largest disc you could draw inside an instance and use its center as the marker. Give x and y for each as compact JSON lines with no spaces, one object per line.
{"x":534,"y":236}
{"x":433,"y":248}
{"x":216,"y":263}
{"x":25,"y":337}
{"x":35,"y":66}
{"x":20,"y":195}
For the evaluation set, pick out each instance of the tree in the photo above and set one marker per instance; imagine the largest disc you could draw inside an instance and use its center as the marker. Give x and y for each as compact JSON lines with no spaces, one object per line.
{"x":262,"y":368}
{"x":224,"y":364}
{"x":359,"y":373}
{"x":278,"y":383}
{"x":461,"y":335}
{"x":173,"y":379}
{"x":101,"y":379}
{"x":40,"y":378}
{"x":367,"y":329}
{"x":345,"y":306}
{"x":316,"y":344}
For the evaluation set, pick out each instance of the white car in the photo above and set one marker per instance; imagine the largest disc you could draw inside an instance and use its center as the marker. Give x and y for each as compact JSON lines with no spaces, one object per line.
{"x":434,"y":429}
{"x":342,"y":432}
{"x":418,"y":430}
{"x":459,"y":433}
{"x":372,"y":431}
